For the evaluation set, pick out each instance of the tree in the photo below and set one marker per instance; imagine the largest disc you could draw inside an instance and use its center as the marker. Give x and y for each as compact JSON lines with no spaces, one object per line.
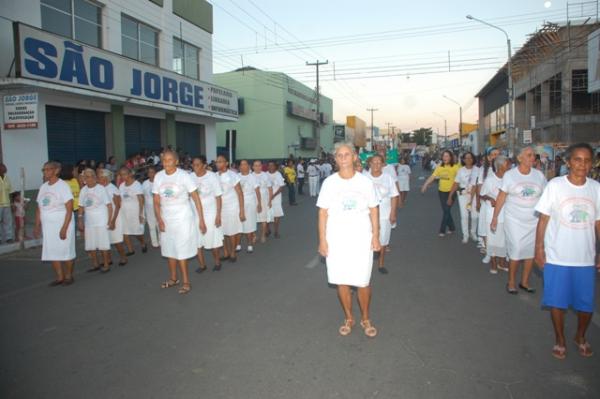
{"x":423,"y":136}
{"x":406,"y":137}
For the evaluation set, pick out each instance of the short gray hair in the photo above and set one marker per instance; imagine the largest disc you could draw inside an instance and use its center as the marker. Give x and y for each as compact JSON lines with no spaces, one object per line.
{"x":105,"y":173}
{"x":344,"y":144}
{"x":500,"y":161}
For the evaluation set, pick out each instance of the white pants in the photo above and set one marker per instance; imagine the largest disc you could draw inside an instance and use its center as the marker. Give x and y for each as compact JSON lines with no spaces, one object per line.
{"x":313,"y":185}
{"x":152,"y":226}
{"x":6,"y":220}
{"x":464,"y":216}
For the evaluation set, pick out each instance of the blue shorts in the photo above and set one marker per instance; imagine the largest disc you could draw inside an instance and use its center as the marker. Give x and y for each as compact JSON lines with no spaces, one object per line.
{"x":568,"y":286}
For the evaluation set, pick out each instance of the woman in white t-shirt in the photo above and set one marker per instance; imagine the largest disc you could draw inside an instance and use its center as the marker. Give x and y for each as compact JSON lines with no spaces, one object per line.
{"x":496,"y":242}
{"x":266,"y":191}
{"x":132,"y":209}
{"x":54,"y":219}
{"x":483,"y":224}
{"x":463,"y":185}
{"x":149,"y":206}
{"x":565,"y":247}
{"x":403,"y":181}
{"x":348,"y":235}
{"x":95,"y":214}
{"x":115,"y":228}
{"x":520,"y":191}
{"x":387,"y":193}
{"x":252,"y":203}
{"x":233,"y":212}
{"x":277,"y":183}
{"x":209,"y":189}
{"x":172,"y":190}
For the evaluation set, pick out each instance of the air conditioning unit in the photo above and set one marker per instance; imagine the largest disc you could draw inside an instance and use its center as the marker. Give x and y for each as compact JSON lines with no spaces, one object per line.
{"x":308,"y":143}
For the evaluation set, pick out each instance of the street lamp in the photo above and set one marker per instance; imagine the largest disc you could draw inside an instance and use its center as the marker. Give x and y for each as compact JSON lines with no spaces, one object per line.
{"x":459,"y":120}
{"x":445,"y":128}
{"x":511,"y":127}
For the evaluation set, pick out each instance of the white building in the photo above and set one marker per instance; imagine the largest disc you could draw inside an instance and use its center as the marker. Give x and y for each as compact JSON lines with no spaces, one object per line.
{"x":90,"y":79}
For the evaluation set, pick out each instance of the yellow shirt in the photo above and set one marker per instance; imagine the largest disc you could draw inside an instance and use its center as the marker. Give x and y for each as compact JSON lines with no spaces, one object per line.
{"x":446,"y":176}
{"x":5,"y":190}
{"x":290,"y":174}
{"x":74,"y":186}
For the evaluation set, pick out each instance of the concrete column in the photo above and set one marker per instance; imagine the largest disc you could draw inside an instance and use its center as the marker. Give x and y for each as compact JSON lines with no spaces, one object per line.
{"x":210,"y":140}
{"x":529,"y":109}
{"x":171,"y":130}
{"x":545,"y":114}
{"x":117,"y":126}
{"x":566,"y":105}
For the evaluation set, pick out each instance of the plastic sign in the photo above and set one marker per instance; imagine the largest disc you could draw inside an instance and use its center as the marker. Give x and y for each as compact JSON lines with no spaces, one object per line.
{"x":21,"y":111}
{"x":52,"y":58}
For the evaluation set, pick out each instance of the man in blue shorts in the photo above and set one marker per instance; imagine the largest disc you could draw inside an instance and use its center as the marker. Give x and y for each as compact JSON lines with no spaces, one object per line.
{"x":565,"y":246}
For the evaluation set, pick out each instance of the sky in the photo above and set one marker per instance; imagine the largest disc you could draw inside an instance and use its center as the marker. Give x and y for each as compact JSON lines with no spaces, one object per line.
{"x":400,"y":57}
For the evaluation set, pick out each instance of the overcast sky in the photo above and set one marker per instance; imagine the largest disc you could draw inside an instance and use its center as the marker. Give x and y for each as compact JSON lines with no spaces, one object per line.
{"x":370,"y":41}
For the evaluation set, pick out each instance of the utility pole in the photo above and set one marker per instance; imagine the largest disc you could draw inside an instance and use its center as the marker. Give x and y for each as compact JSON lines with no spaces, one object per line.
{"x":318,"y":116}
{"x":371,"y":110}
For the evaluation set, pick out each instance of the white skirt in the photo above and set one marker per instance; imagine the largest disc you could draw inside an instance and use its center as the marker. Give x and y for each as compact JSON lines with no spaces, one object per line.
{"x":249,"y":225}
{"x":276,"y":206}
{"x":385,"y":231}
{"x":496,"y":243}
{"x":263,"y":216}
{"x":350,"y":258}
{"x":53,"y":248}
{"x":230,"y":221}
{"x":131,"y":219}
{"x":483,"y":225}
{"x":213,"y":238}
{"x":97,"y":238}
{"x":180,"y":238}
{"x":404,"y":184}
{"x":520,"y":237}
{"x":116,"y":236}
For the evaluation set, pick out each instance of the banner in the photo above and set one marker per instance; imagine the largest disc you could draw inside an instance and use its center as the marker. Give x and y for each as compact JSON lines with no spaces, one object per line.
{"x":21,"y":111}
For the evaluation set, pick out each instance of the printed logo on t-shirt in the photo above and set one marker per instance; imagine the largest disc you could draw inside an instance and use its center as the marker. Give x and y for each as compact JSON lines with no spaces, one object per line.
{"x":528,"y":192}
{"x":169,"y":191}
{"x":50,"y":201}
{"x":349,"y":204}
{"x":577,"y":213}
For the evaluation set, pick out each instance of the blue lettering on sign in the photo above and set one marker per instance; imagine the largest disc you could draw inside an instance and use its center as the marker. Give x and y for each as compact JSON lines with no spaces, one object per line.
{"x":198,"y":97}
{"x":170,"y":90}
{"x":41,"y":65}
{"x":185,"y":94}
{"x":101,"y":73}
{"x":73,"y":66}
{"x":152,"y":85}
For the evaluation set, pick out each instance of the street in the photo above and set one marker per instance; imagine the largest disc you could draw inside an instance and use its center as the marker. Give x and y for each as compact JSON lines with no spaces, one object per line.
{"x":267,"y":326}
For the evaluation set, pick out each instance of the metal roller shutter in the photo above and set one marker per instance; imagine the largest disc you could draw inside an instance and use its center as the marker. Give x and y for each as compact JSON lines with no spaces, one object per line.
{"x":141,"y":134}
{"x":189,"y":138}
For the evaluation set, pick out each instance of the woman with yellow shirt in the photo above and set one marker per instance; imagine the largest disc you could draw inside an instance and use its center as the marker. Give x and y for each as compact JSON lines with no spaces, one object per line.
{"x":70,"y":175}
{"x":445,"y":173}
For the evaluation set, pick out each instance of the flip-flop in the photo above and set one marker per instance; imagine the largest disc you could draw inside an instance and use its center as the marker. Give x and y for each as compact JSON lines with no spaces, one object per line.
{"x":346,"y":328}
{"x":585,"y":349}
{"x":527,"y":289}
{"x":559,"y":352}
{"x":512,"y":291}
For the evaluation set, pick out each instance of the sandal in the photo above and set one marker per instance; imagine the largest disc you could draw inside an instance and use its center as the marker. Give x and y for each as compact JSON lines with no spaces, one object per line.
{"x":512,"y":291}
{"x":93,"y":269}
{"x":559,"y":352}
{"x":68,"y":281}
{"x":185,"y":288}
{"x":56,"y":283}
{"x":369,"y":330}
{"x":169,"y":284}
{"x":346,"y":328}
{"x":527,"y":289}
{"x":585,"y":349}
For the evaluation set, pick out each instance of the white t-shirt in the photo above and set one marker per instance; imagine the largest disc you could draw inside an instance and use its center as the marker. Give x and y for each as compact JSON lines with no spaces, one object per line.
{"x":228,"y":182}
{"x":347,"y":200}
{"x":263,"y":182}
{"x":174,"y":191}
{"x":491,"y":188}
{"x":570,"y":238}
{"x":148,"y":196}
{"x":95,"y":201}
{"x":477,"y":179}
{"x":129,"y":193}
{"x":403,"y":172}
{"x":209,"y":188}
{"x":112,"y":191}
{"x":276,"y":180}
{"x":249,"y":185}
{"x":300,"y":171}
{"x":385,"y":186}
{"x":52,"y":198}
{"x":390,"y":169}
{"x":523,"y":192}
{"x":325,"y":169}
{"x":464,"y":177}
{"x":312,"y":170}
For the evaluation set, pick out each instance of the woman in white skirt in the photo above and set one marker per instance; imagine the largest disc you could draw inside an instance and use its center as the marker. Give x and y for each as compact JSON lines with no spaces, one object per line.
{"x":277,"y":184}
{"x":115,"y":228}
{"x":252,"y":203}
{"x":348,"y":235}
{"x":172,"y":190}
{"x":496,"y":242}
{"x":403,"y":181}
{"x":387,"y":194}
{"x":132,"y":208}
{"x":54,"y":220}
{"x":95,"y":213}
{"x":464,"y":187}
{"x":149,"y":206}
{"x":266,"y":191}
{"x":520,"y":191}
{"x":232,"y":212}
{"x":209,"y":189}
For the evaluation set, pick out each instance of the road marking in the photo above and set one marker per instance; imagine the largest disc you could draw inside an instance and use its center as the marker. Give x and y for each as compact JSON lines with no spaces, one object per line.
{"x":314,"y":262}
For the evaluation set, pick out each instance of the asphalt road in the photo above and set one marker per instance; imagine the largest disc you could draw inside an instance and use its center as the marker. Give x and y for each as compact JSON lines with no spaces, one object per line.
{"x":266,"y":327}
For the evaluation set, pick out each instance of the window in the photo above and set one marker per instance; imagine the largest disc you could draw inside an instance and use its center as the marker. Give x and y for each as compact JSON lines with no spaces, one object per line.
{"x":78,"y":19}
{"x":186,"y":58}
{"x":582,"y":101}
{"x":139,"y":41}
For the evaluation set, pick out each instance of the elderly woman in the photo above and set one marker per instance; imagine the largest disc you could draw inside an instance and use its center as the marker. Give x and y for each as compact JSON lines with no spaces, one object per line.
{"x":115,"y":228}
{"x":209,"y":189}
{"x":496,"y":242}
{"x":266,"y":191}
{"x":520,"y":191}
{"x":233,"y":213}
{"x":95,"y":214}
{"x":172,"y":190}
{"x":348,"y":235}
{"x":149,"y":206}
{"x":132,"y":207}
{"x":54,"y":218}
{"x":252,"y":203}
{"x":388,"y":195}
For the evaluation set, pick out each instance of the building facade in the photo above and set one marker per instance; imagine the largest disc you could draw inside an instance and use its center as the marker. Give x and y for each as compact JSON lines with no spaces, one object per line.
{"x":92,"y":79}
{"x":278,"y":117}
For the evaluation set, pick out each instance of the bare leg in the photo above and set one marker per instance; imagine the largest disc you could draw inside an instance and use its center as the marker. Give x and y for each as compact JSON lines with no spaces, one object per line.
{"x":364,"y":300}
{"x":382,"y":255}
{"x":172,"y":268}
{"x":121,"y":251}
{"x":106,"y":258}
{"x":558,"y":322}
{"x":141,"y":239}
{"x":513,"y":265}
{"x":94,"y":257}
{"x":58,"y":271}
{"x":345,"y":297}
{"x":183,"y":268}
{"x":583,"y":322}
{"x":201,"y":259}
{"x":276,"y":227}
{"x":128,"y":243}
{"x":263,"y":235}
{"x":216,"y":256}
{"x":69,"y":265}
{"x":235,"y":241}
{"x":527,"y":267}
{"x":495,"y":261}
